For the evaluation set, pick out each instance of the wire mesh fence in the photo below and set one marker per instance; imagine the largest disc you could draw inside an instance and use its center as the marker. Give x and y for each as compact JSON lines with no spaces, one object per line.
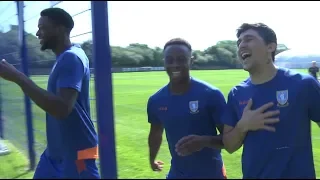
{"x":12,"y":102}
{"x":14,"y":123}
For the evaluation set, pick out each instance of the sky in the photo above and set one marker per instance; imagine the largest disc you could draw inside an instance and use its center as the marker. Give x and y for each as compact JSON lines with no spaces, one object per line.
{"x":203,"y":24}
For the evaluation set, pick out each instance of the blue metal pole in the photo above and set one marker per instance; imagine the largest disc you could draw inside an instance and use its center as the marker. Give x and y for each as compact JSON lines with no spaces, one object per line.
{"x":27,"y":102}
{"x":103,"y":86}
{"x":1,"y":117}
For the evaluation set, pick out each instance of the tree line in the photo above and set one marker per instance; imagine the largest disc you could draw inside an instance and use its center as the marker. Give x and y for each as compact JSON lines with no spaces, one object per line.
{"x":221,"y":55}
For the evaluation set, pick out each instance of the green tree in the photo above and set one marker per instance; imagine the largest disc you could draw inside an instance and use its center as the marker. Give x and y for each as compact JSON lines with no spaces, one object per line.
{"x":221,"y":55}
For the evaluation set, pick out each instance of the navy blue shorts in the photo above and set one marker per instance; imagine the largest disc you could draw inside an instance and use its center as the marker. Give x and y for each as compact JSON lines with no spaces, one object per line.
{"x":214,"y":174}
{"x":49,"y":168}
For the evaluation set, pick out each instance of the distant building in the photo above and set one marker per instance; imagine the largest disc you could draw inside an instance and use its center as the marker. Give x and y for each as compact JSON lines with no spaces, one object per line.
{"x":281,"y":48}
{"x":296,"y":59}
{"x":14,"y":27}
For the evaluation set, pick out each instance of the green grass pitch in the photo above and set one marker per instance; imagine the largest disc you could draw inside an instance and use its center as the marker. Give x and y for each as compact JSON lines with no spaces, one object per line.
{"x":131,"y":92}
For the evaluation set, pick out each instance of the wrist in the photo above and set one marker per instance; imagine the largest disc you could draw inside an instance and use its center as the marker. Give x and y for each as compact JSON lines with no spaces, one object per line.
{"x":151,"y":160}
{"x":206,"y":141}
{"x":240,"y":126}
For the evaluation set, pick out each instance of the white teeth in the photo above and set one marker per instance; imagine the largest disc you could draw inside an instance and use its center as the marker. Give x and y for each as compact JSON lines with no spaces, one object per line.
{"x":177,"y":73}
{"x":245,"y":55}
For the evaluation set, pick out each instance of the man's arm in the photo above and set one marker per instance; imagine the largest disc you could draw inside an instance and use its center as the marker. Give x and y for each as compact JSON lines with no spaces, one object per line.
{"x":154,"y":140}
{"x":214,"y":142}
{"x":155,"y":134}
{"x":233,"y":136}
{"x":70,"y":74}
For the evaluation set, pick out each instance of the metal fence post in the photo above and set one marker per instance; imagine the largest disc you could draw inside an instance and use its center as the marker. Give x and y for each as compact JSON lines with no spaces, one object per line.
{"x":27,"y":102}
{"x":103,"y":87}
{"x":1,"y":117}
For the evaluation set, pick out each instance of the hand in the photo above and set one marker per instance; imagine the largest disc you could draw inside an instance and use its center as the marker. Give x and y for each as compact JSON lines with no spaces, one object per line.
{"x":258,"y":119}
{"x":157,"y":165}
{"x":190,"y":144}
{"x":8,"y":72}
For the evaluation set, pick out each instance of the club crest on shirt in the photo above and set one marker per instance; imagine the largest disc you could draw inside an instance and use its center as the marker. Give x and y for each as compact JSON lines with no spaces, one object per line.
{"x":194,"y":107}
{"x":282,"y":98}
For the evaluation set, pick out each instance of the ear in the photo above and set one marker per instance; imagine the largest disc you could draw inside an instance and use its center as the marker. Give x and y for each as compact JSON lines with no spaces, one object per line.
{"x":61,"y":30}
{"x":272,"y":47}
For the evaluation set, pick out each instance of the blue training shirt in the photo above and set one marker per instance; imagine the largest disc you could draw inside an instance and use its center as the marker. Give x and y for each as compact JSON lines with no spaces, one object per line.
{"x":196,"y":112}
{"x":286,"y":153}
{"x":73,"y":137}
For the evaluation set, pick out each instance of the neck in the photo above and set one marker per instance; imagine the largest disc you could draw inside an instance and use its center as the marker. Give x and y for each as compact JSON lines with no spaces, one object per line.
{"x":62,"y":46}
{"x":180,"y":87}
{"x":264,"y":74}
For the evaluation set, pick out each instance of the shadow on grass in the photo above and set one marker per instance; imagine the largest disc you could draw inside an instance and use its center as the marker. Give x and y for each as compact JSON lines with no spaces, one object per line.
{"x":22,"y":174}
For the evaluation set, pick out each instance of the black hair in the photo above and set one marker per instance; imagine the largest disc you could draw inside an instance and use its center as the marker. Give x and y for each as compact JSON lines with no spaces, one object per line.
{"x":178,"y":41}
{"x":59,"y":17}
{"x":267,"y":34}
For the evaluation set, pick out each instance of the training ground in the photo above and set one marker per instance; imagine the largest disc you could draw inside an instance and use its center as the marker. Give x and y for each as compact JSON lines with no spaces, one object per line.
{"x":131,"y":93}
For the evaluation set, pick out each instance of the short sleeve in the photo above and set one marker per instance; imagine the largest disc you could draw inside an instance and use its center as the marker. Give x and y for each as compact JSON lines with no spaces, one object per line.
{"x":151,"y":112}
{"x":71,"y":72}
{"x":313,"y":98}
{"x":230,"y":114}
{"x":217,"y":105}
